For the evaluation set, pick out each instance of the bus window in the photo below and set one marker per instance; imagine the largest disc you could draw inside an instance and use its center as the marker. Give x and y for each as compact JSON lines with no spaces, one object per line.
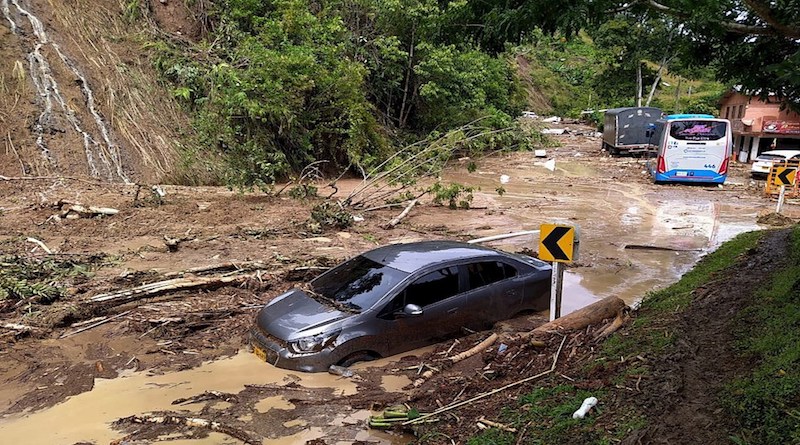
{"x":698,"y":130}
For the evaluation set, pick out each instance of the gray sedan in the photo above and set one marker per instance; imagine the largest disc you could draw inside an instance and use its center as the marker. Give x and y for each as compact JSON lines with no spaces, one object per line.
{"x":394,"y":299}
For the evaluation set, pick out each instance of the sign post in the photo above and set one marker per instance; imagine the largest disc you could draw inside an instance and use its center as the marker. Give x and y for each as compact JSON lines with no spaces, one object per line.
{"x":783,"y":176}
{"x":557,"y":244}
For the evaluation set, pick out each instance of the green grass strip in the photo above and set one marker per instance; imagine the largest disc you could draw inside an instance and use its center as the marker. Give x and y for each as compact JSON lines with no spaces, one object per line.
{"x":766,"y":402}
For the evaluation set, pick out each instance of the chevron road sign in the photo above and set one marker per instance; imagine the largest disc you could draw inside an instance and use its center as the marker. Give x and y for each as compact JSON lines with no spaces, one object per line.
{"x":556,"y":243}
{"x":785,"y":175}
{"x":559,"y":244}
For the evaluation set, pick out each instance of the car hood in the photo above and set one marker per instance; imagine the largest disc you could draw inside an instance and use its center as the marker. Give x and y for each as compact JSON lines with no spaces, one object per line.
{"x":295,"y":314}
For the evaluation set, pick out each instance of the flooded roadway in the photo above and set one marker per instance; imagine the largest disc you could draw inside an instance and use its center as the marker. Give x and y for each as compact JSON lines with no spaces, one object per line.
{"x":635,"y":237}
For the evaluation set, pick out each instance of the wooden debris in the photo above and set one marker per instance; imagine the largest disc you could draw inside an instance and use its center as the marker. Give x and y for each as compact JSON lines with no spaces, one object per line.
{"x":457,"y":358}
{"x":206,"y":396}
{"x":580,"y":319}
{"x":488,"y":423}
{"x":192,"y":422}
{"x":201,"y":270}
{"x":662,"y":248}
{"x":402,"y":215}
{"x":94,"y":325}
{"x":474,"y":350}
{"x":40,"y":244}
{"x":172,"y":285}
{"x":21,"y":327}
{"x":74,"y":210}
{"x":611,"y":328}
{"x":453,"y":406}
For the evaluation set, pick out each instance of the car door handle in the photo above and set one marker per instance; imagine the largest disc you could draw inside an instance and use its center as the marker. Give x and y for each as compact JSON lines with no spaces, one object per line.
{"x":452,"y":311}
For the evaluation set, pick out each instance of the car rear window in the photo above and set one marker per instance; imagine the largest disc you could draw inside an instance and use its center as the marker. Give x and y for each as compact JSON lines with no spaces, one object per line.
{"x":771,"y":157}
{"x":357,"y":283}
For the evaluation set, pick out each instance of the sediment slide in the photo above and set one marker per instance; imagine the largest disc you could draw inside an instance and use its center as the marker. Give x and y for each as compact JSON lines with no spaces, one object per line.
{"x":102,"y":155}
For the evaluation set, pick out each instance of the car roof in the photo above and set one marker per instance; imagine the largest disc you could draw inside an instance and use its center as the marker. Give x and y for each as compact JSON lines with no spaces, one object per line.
{"x":411,"y":257}
{"x":786,"y":153}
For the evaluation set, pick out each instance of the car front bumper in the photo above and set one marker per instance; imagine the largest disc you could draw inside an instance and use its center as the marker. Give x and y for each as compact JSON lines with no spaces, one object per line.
{"x":278,"y":354}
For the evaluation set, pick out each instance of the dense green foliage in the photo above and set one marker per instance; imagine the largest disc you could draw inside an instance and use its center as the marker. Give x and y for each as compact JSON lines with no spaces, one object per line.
{"x":36,"y":281}
{"x":753,"y":43}
{"x":282,"y":83}
{"x":277,"y":84}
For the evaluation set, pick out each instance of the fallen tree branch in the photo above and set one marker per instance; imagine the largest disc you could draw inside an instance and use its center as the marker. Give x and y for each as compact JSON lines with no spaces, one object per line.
{"x":453,"y":406}
{"x":224,"y":267}
{"x":580,"y":319}
{"x":483,"y":420}
{"x":192,"y":422}
{"x":206,"y":396}
{"x":402,"y":215}
{"x":474,"y":350}
{"x":49,"y":178}
{"x":21,"y":327}
{"x":173,"y":285}
{"x":457,"y":358}
{"x":613,"y":327}
{"x":40,"y":244}
{"x":94,"y":325}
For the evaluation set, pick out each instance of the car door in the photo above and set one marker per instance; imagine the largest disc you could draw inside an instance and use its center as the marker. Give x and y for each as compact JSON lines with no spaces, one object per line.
{"x":438,"y":294}
{"x":493,"y":293}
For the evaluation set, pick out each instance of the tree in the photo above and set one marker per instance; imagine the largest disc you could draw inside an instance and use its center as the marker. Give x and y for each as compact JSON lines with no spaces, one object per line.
{"x":755,"y":43}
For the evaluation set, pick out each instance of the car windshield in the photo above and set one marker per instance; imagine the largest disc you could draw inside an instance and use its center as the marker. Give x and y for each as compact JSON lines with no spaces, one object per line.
{"x":357,"y":283}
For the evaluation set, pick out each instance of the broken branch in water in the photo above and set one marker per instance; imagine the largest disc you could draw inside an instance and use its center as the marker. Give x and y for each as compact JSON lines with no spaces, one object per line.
{"x":192,"y":422}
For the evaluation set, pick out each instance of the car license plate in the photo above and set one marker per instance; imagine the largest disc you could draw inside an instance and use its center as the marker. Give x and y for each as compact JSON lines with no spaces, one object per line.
{"x":260,"y":353}
{"x":680,"y":174}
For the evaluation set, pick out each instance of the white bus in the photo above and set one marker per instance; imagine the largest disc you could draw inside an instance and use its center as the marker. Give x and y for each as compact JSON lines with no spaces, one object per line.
{"x":691,"y":148}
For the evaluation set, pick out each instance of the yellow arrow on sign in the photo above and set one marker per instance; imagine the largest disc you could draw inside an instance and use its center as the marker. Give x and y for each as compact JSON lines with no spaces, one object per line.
{"x":556,"y":243}
{"x":785,"y":175}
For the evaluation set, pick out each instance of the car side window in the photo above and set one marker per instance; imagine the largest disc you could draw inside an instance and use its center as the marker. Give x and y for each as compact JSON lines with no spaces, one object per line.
{"x":433,"y":287}
{"x":488,"y":272}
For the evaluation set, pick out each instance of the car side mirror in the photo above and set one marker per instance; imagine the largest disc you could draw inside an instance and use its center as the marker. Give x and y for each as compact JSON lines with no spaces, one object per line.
{"x":412,"y":310}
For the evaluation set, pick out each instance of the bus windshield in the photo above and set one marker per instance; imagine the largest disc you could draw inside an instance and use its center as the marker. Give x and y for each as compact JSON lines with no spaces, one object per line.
{"x":698,"y":130}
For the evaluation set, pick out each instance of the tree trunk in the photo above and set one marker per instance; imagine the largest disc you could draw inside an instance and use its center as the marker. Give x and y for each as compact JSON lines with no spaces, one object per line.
{"x":678,"y":96}
{"x":661,"y":67}
{"x":409,"y":68}
{"x":580,"y":319}
{"x":639,"y":84}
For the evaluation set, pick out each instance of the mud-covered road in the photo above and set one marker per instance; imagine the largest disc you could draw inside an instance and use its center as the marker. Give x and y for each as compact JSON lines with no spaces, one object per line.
{"x":634,"y":237}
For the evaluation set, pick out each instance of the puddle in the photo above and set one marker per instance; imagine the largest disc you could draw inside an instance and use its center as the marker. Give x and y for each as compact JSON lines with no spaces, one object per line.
{"x":275,"y":402}
{"x":87,"y":416}
{"x":394,"y":383}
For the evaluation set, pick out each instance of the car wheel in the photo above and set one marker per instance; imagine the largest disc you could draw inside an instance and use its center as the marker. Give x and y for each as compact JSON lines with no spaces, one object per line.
{"x":361,"y":356}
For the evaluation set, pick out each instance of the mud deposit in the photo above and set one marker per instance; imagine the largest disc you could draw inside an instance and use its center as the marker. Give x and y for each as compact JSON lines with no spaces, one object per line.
{"x":184,"y":353}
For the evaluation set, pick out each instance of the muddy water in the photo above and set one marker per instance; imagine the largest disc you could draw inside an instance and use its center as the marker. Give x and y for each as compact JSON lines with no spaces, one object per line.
{"x":87,"y":416}
{"x":634,"y":237}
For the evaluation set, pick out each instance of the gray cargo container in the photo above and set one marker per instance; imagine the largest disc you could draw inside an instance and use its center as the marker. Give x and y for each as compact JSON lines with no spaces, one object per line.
{"x":625,"y":130}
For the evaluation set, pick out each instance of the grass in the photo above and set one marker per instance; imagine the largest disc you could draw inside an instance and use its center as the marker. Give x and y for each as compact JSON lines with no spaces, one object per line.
{"x":766,"y":403}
